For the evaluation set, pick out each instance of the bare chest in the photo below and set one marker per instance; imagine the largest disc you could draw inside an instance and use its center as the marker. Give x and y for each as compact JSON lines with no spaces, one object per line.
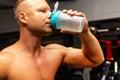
{"x":29,"y":69}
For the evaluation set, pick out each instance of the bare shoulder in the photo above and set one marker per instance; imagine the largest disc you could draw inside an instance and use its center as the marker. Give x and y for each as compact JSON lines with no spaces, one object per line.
{"x":5,"y":57}
{"x":56,"y":46}
{"x":5,"y":60}
{"x":61,"y":47}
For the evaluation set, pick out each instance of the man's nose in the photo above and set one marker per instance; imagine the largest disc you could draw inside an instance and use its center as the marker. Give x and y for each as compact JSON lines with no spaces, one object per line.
{"x":49,"y":15}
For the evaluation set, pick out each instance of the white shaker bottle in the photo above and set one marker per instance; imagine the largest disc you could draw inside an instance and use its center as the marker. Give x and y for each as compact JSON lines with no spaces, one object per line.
{"x":60,"y":20}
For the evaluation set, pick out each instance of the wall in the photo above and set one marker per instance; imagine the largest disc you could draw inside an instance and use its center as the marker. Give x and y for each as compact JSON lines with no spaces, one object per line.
{"x":94,"y":10}
{"x":7,"y":21}
{"x":85,"y":6}
{"x":107,"y":9}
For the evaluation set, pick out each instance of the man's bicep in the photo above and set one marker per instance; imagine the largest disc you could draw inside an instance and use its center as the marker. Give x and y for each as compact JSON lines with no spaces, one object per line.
{"x":75,"y":58}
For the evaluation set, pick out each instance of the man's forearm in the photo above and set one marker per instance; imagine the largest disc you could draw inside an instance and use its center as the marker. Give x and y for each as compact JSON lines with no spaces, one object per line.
{"x":91,"y":48}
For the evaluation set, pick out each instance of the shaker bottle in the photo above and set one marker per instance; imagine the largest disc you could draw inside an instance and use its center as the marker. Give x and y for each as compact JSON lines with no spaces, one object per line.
{"x":60,"y":20}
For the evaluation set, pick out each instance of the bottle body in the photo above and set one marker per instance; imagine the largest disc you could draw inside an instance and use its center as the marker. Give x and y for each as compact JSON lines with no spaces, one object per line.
{"x":60,"y":20}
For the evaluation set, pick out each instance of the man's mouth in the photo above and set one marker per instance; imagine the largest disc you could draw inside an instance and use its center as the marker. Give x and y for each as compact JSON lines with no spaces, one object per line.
{"x":47,"y":21}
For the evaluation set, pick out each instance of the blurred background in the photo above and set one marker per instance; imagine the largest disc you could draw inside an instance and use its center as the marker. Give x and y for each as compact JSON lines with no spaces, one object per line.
{"x":104,"y":22}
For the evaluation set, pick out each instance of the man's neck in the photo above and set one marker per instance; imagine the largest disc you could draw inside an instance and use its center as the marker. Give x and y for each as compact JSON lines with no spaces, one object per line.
{"x":30,"y":45}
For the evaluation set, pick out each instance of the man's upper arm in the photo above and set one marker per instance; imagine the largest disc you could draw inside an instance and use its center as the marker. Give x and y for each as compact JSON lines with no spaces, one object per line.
{"x":75,"y":58}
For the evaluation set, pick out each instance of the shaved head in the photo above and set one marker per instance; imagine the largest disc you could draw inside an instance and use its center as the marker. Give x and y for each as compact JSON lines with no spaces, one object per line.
{"x":25,"y":5}
{"x":19,"y":7}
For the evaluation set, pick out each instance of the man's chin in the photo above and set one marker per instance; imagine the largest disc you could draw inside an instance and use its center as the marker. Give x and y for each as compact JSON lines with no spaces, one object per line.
{"x":47,"y":34}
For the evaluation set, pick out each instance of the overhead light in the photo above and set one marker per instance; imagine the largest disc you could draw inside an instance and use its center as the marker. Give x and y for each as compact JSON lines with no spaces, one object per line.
{"x":117,"y":28}
{"x":103,"y":30}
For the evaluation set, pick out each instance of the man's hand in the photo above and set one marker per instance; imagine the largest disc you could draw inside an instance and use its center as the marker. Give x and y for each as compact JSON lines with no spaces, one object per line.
{"x":80,"y":14}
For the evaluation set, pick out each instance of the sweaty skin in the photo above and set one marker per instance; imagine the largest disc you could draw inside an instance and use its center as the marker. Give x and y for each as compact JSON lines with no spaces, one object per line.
{"x":28,"y":60}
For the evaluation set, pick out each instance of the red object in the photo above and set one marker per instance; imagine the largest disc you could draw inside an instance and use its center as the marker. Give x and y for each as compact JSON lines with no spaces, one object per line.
{"x":109,"y":55}
{"x":118,"y":42}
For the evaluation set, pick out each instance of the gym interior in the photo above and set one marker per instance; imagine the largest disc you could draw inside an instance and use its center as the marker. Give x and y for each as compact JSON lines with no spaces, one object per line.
{"x":104,"y":23}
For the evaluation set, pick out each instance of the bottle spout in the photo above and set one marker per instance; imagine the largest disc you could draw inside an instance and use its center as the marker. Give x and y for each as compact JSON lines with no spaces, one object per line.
{"x":55,"y":6}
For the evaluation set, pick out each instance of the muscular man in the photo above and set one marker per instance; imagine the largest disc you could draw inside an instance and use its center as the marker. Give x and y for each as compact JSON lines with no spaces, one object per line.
{"x":28,"y":60}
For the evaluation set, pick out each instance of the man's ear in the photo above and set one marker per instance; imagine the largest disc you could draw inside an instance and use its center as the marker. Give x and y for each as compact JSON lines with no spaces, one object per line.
{"x":22,"y":17}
